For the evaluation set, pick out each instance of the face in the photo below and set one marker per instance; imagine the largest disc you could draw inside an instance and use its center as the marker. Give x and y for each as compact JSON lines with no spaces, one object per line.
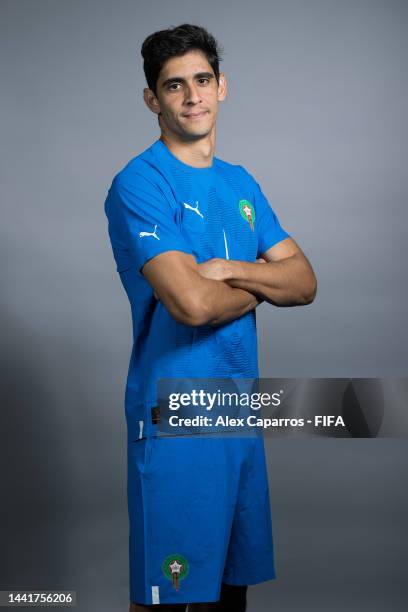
{"x":187,"y":96}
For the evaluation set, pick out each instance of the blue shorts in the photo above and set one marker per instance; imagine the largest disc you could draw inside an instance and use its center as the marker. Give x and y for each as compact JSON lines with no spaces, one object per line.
{"x":199,"y":515}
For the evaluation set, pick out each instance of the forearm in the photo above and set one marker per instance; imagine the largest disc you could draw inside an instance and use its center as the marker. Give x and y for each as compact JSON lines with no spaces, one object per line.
{"x":287,"y":282}
{"x":190,"y":296}
{"x":223,"y":303}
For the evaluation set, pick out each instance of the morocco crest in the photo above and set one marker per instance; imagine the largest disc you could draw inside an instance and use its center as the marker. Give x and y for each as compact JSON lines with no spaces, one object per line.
{"x":175,"y":568}
{"x":247,"y":212}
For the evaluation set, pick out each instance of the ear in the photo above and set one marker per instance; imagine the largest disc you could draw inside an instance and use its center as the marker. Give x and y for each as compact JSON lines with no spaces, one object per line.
{"x":222,"y":87}
{"x":151,"y":101}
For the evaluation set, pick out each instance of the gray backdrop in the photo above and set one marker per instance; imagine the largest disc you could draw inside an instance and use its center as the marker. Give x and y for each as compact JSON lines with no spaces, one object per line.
{"x":317,"y":112}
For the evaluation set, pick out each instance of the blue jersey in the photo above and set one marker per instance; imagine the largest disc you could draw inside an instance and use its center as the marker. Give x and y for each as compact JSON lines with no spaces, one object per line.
{"x":157,"y":203}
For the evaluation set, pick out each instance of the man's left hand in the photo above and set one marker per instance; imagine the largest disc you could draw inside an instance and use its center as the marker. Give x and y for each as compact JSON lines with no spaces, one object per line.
{"x":215,"y":269}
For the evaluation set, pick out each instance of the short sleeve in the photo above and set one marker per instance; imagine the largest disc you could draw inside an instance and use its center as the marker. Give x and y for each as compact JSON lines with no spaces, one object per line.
{"x":148,"y":219}
{"x":268,"y":228}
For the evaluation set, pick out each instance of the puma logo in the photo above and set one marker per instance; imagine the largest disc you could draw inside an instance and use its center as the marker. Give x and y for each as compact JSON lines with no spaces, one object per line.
{"x":194,"y":208}
{"x":144,"y":234}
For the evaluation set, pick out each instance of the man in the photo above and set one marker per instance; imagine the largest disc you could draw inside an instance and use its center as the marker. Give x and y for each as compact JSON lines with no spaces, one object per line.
{"x":197,"y":247}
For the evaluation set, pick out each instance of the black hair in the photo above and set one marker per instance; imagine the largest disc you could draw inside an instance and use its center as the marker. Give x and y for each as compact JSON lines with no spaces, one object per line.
{"x":164,"y":44}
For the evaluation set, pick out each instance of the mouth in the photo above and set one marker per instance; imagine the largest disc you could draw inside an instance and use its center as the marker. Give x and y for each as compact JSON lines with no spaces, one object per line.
{"x":195,"y":115}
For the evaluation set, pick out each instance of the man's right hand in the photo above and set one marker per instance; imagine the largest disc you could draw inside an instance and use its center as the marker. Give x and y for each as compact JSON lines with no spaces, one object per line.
{"x":190,"y":298}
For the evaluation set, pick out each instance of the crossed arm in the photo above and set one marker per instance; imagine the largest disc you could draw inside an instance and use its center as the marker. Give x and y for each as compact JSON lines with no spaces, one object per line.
{"x":220,"y":290}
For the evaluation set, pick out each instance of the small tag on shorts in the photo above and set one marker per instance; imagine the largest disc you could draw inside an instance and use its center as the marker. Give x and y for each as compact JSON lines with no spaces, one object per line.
{"x":155,"y":595}
{"x":156,"y":415}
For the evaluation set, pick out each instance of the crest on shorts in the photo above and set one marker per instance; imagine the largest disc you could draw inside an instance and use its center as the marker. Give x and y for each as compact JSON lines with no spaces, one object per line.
{"x":175,"y":568}
{"x":247,"y":212}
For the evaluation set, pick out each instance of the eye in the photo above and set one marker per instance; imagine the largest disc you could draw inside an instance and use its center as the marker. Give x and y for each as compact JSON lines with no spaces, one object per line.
{"x":204,"y":80}
{"x":173,"y":86}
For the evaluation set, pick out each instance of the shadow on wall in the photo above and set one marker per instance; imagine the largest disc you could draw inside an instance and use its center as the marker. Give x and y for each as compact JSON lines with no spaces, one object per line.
{"x":63,"y":510}
{"x":35,"y":478}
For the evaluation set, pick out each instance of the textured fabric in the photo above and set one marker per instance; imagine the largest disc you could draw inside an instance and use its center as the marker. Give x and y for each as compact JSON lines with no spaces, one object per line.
{"x":157,"y":203}
{"x":199,"y":505}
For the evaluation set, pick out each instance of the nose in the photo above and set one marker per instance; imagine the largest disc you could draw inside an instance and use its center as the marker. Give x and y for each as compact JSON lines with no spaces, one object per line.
{"x":192,"y":95}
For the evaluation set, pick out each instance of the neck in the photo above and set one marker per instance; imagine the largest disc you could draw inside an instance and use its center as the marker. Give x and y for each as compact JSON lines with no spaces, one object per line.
{"x":197,"y":153}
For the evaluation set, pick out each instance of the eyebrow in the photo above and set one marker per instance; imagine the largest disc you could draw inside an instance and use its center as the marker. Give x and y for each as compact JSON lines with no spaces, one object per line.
{"x":198,"y":75}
